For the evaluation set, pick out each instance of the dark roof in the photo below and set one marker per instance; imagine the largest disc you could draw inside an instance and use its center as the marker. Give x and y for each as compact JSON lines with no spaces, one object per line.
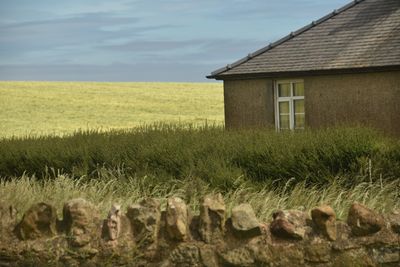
{"x":363,"y":34}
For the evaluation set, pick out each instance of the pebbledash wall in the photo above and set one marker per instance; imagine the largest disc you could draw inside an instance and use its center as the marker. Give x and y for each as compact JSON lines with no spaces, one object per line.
{"x":370,"y":99}
{"x":249,"y":103}
{"x":146,"y":235}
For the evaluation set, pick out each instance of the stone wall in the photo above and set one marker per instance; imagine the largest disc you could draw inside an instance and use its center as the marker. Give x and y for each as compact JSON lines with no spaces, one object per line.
{"x":145,"y":235}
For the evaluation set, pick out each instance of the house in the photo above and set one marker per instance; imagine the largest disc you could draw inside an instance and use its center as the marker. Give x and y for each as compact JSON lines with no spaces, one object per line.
{"x":341,"y":69}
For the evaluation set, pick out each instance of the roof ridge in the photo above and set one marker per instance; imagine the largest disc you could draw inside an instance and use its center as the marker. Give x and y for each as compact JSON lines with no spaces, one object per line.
{"x":286,"y":38}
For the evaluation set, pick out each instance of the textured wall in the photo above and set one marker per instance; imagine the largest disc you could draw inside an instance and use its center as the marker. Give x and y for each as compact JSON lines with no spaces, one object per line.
{"x":371,"y":99}
{"x":248,"y":103}
{"x":146,"y":235}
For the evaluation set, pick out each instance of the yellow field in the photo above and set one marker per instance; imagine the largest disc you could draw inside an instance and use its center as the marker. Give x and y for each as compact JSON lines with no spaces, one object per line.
{"x":40,"y":108}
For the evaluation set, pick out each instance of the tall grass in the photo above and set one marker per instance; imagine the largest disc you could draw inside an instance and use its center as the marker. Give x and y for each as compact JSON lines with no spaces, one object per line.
{"x":218,"y":157}
{"x":117,"y":187}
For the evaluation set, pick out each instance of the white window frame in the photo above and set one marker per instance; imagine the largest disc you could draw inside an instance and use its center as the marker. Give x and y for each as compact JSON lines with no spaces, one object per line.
{"x":289,"y":99}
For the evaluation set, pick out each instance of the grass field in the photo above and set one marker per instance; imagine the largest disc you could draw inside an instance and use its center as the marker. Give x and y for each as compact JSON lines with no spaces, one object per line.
{"x":41,"y":108}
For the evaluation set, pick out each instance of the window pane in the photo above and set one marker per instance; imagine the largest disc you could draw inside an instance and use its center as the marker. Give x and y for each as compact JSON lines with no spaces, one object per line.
{"x":284,"y":122}
{"x":283,"y":107}
{"x":284,"y":89}
{"x":298,"y":89}
{"x":299,"y":106}
{"x":299,"y":121}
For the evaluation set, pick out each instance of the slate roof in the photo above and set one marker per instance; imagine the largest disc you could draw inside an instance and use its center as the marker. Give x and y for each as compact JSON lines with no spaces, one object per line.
{"x":362,"y":34}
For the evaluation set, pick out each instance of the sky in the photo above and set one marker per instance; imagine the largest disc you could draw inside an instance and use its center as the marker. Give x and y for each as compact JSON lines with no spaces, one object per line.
{"x":141,"y":40}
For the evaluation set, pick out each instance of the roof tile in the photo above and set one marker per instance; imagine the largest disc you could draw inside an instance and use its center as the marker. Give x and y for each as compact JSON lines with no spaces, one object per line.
{"x":365,"y":33}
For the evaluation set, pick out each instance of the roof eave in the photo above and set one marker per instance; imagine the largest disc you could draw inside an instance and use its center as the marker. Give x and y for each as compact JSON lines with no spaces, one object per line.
{"x":304,"y":73}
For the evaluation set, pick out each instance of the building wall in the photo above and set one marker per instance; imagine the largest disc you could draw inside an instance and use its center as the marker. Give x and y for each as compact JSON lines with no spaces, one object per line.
{"x":370,"y":99}
{"x":248,"y":103}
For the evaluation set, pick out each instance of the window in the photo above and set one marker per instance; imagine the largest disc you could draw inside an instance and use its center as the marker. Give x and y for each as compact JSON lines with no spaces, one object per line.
{"x":290,"y":113}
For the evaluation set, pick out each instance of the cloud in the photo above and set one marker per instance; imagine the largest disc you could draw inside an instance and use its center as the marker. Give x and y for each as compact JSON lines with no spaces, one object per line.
{"x":153,"y":45}
{"x":14,"y":10}
{"x":68,"y":37}
{"x":204,"y":51}
{"x":82,"y":28}
{"x":277,"y":10}
{"x":139,"y":39}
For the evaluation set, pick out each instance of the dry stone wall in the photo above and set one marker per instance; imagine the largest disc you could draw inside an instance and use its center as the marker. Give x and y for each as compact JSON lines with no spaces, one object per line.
{"x":145,"y":235}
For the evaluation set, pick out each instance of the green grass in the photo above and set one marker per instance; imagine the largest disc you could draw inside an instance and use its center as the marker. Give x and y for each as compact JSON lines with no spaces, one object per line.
{"x":210,"y":153}
{"x":40,"y":108}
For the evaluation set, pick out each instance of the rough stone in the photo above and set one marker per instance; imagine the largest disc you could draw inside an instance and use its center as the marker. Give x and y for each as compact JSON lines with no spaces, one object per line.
{"x":289,"y":224}
{"x":212,"y":218}
{"x":394,"y":220}
{"x":40,"y":220}
{"x":8,"y":213}
{"x":112,"y":225}
{"x":244,"y":221}
{"x":364,"y":221}
{"x":345,"y":244}
{"x":145,"y":220}
{"x":324,"y":218}
{"x":8,"y":217}
{"x":177,"y":219}
{"x":120,"y":246}
{"x":237,"y":257}
{"x":386,"y":255}
{"x":342,"y":241}
{"x":317,"y":252}
{"x":186,"y":255}
{"x":80,"y":219}
{"x":257,"y":247}
{"x":208,"y":256}
{"x":353,"y":257}
{"x":285,"y":254}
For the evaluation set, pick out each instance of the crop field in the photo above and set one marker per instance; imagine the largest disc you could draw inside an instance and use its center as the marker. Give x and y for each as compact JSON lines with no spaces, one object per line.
{"x":42,"y":108}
